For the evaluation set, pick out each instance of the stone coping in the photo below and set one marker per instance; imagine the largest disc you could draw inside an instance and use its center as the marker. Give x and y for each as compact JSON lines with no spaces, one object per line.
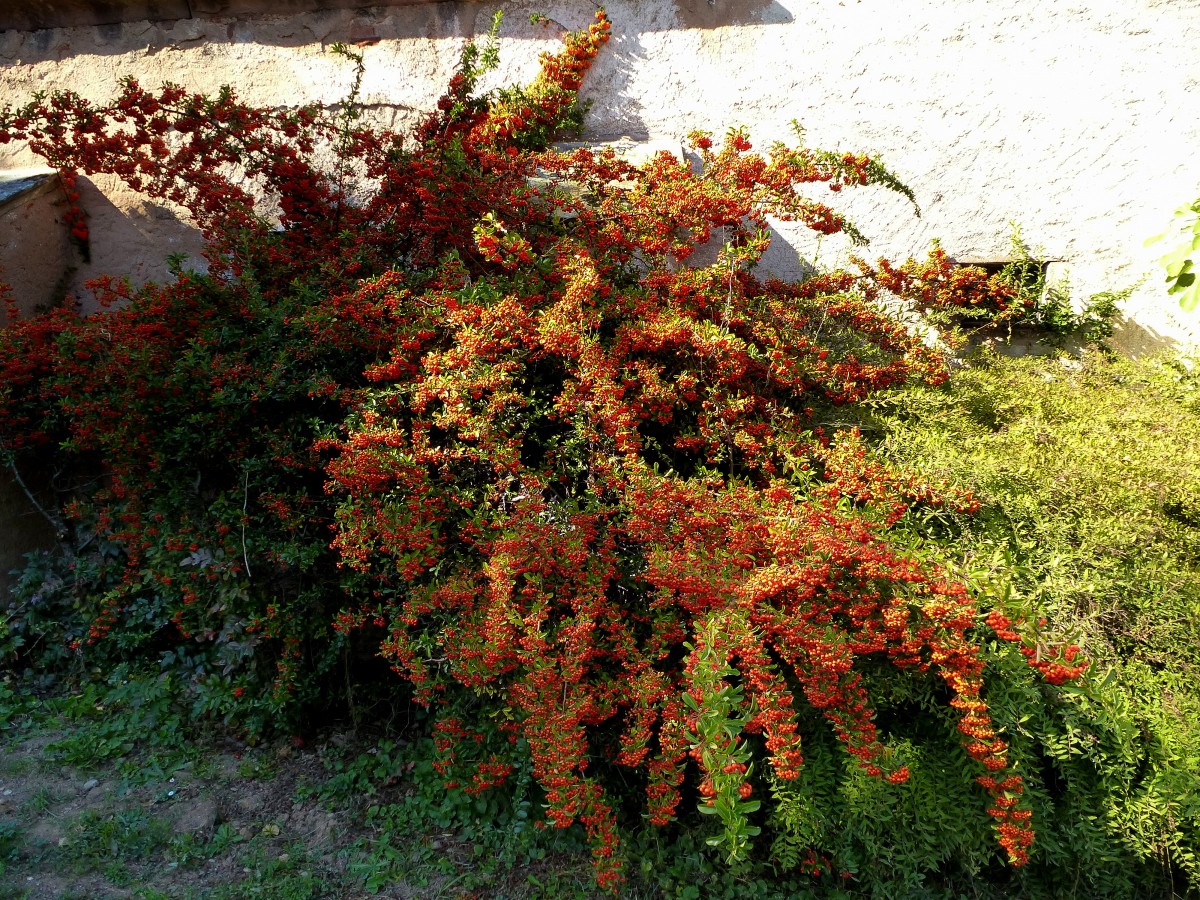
{"x":30,"y":15}
{"x":19,"y":184}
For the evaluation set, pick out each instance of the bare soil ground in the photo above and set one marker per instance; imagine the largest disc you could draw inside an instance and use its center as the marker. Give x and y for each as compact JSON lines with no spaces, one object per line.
{"x":231,"y":821}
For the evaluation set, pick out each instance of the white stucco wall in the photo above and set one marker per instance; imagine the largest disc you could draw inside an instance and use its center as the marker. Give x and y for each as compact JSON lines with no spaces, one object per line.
{"x":1079,"y":120}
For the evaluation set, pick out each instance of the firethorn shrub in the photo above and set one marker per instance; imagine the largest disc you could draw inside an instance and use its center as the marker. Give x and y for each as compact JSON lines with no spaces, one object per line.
{"x":458,"y":401}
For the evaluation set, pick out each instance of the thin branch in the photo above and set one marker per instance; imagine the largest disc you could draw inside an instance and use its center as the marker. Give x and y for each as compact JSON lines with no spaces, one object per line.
{"x":245,"y":505}
{"x":56,"y":522}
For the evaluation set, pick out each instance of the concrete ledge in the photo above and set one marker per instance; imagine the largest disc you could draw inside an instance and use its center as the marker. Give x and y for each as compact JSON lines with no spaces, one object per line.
{"x":31,"y":15}
{"x":19,"y":185}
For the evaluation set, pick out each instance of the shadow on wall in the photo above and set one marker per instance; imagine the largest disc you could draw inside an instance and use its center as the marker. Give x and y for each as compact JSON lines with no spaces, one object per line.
{"x":614,"y":113}
{"x":1137,"y":340}
{"x":108,"y":15}
{"x":124,"y":233}
{"x":37,"y":260}
{"x":781,"y":261}
{"x":726,"y":13}
{"x":131,"y":236}
{"x":784,"y":261}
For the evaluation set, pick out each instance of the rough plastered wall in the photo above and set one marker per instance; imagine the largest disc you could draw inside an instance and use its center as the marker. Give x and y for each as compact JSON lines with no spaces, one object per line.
{"x":36,"y":256}
{"x":1078,"y":119}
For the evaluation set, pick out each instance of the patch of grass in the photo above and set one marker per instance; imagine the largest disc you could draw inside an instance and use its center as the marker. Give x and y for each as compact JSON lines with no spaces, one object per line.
{"x":257,"y":766}
{"x":290,"y":875}
{"x":107,"y":842}
{"x":192,"y":850}
{"x":446,"y":843}
{"x":11,"y":835}
{"x":42,"y":799}
{"x":16,"y":765}
{"x":12,"y":704}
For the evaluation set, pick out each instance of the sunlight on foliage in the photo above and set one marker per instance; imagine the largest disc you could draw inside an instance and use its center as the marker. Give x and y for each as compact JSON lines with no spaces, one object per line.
{"x":466,"y":403}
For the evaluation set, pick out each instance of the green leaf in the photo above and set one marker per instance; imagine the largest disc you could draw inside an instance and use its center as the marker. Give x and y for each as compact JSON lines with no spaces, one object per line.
{"x":1180,"y":257}
{"x":1183,"y":280}
{"x":1190,"y":298}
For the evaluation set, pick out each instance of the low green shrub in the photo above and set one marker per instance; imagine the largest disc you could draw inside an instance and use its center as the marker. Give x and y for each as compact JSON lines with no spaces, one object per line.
{"x":1085,"y":469}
